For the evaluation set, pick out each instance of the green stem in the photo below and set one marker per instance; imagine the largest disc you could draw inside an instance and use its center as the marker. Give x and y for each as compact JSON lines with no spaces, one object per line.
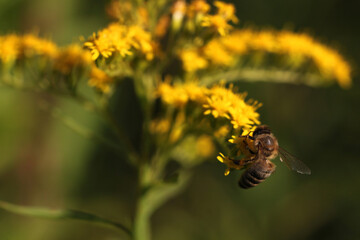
{"x":254,"y":75}
{"x":63,"y":215}
{"x":151,"y":198}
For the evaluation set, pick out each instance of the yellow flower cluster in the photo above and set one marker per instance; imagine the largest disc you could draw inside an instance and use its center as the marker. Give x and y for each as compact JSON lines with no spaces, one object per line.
{"x":218,"y":101}
{"x":296,"y":48}
{"x":122,"y":39}
{"x":220,"y":21}
{"x":64,"y":60}
{"x":100,"y":80}
{"x":13,"y":47}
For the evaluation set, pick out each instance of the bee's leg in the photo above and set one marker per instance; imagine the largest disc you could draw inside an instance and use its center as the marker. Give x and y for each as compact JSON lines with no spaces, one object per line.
{"x":239,"y":164}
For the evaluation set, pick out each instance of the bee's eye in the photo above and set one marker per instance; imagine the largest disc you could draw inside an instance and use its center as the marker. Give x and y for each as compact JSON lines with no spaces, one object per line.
{"x":268,"y":141}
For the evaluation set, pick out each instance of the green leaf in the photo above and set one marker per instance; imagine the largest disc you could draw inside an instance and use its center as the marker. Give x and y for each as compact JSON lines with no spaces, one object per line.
{"x":63,"y":215}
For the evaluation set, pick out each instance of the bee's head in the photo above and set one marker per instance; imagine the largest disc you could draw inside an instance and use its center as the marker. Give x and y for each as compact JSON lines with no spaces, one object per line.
{"x":265,"y":141}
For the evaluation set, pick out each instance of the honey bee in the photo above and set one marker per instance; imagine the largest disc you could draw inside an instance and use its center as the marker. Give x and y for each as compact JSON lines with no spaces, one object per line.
{"x":259,"y":149}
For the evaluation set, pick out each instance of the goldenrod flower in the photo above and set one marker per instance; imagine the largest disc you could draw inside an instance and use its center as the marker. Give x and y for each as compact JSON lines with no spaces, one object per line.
{"x":226,"y":10}
{"x":32,"y":45}
{"x":218,"y":101}
{"x":180,"y":95}
{"x":172,"y":95}
{"x":205,"y":146}
{"x":9,"y":48}
{"x":141,"y":40}
{"x":230,"y":163}
{"x":192,"y":61}
{"x":72,"y":57}
{"x":121,"y":39}
{"x":197,"y":7}
{"x":296,"y":49}
{"x":159,"y":126}
{"x":218,"y":22}
{"x":100,"y":80}
{"x":217,"y":54}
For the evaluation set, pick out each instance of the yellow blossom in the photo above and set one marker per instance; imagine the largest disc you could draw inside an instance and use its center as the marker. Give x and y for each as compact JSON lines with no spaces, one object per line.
{"x":141,"y":40}
{"x":296,"y":48}
{"x":72,"y":57}
{"x":32,"y":45}
{"x":9,"y":48}
{"x":100,"y":80}
{"x":218,"y":22}
{"x":159,"y":126}
{"x":218,"y":101}
{"x":172,"y":96}
{"x":226,"y":10}
{"x":121,"y":39}
{"x":205,"y":146}
{"x":192,"y":61}
{"x":197,"y":7}
{"x":222,"y":131}
{"x":230,"y":163}
{"x":179,"y":95}
{"x":217,"y":54}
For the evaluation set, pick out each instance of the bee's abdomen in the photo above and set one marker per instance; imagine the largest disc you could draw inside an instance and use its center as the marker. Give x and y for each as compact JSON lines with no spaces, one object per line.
{"x":256,"y":173}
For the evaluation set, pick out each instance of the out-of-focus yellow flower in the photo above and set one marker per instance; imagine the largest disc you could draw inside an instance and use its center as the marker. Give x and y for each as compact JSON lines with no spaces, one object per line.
{"x":217,"y":54}
{"x":32,"y":45}
{"x":226,"y":10}
{"x":217,"y":22}
{"x":141,"y":40}
{"x":9,"y":48}
{"x":13,"y":47}
{"x":197,"y":7}
{"x":294,"y":47}
{"x":159,"y":126}
{"x":192,"y":61}
{"x":222,"y":131}
{"x":121,"y":39}
{"x":179,"y":95}
{"x":205,"y":146}
{"x":172,"y":95}
{"x":220,"y":21}
{"x":72,"y":57}
{"x":100,"y":80}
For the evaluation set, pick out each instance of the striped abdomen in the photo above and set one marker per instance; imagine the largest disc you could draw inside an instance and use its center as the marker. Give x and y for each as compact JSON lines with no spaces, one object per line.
{"x":256,"y":173}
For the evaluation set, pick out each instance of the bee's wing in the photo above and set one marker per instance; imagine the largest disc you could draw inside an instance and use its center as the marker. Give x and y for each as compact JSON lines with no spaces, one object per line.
{"x":293,"y":163}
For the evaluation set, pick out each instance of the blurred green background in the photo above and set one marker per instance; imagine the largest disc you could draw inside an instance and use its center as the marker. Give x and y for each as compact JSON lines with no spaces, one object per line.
{"x":43,"y":163}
